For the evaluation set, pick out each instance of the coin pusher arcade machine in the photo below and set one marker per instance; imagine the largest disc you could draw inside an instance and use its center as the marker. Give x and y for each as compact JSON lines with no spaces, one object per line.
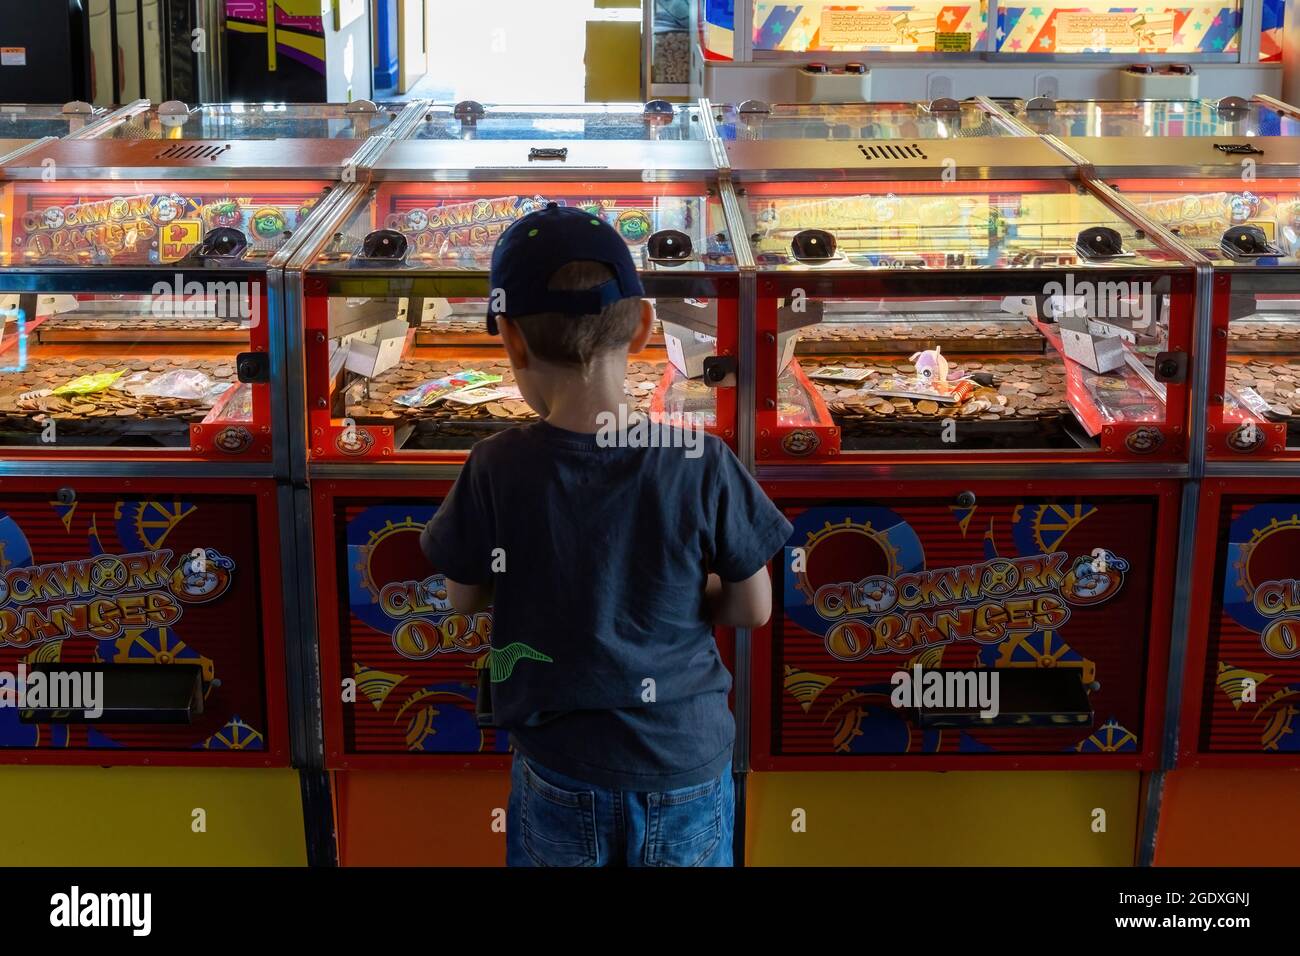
{"x":402,"y":378}
{"x":146,"y":535}
{"x":1222,"y":175}
{"x":980,"y":439}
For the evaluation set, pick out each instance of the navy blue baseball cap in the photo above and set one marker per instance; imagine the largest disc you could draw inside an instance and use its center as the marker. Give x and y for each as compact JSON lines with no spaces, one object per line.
{"x":537,"y":246}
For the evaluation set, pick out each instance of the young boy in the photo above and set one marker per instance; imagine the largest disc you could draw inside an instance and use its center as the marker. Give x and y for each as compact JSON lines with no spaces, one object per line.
{"x":606,"y":567}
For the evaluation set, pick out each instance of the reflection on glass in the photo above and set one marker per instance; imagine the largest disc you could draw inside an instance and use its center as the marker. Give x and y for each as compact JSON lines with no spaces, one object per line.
{"x":1159,"y":118}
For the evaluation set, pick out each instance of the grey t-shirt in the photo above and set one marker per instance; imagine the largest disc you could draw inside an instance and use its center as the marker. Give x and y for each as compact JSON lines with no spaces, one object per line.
{"x":604,"y":664}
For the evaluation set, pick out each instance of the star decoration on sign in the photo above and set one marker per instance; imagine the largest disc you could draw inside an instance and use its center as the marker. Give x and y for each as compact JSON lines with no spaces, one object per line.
{"x":1045,"y":43}
{"x":1015,"y":44}
{"x":1035,"y":11}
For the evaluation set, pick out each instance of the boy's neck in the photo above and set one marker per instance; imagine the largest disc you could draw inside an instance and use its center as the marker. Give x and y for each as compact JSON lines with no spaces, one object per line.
{"x":578,"y":397}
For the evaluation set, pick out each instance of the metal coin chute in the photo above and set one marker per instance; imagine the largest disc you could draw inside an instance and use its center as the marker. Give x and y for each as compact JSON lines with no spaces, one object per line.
{"x":669,"y":245}
{"x":1247,"y":242}
{"x":221,"y":244}
{"x":1099,"y":242}
{"x":813,"y":245}
{"x":384,"y":245}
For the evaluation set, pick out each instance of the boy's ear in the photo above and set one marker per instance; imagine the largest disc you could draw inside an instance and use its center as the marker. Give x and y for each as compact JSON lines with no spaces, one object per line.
{"x":645,"y":324}
{"x":513,"y":339}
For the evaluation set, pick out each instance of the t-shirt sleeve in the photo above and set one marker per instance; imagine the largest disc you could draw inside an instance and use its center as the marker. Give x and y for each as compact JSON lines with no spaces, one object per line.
{"x":458,"y":538}
{"x":748,"y":528}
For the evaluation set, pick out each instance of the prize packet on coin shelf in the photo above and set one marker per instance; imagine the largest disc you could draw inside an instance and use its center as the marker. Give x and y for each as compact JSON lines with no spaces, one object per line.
{"x":840,"y":373}
{"x":947,"y":393}
{"x":89,"y":384}
{"x":427,"y":393}
{"x":477,"y":396}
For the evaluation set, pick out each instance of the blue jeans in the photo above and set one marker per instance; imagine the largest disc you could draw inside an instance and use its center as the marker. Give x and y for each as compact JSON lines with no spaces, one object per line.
{"x":555,"y":820}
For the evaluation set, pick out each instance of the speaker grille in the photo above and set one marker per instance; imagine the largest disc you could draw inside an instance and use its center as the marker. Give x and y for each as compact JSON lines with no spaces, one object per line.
{"x":890,"y":152}
{"x":193,"y":151}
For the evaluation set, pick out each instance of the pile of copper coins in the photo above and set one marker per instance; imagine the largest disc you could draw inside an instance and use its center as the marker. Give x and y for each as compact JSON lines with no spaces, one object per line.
{"x":1023,"y":389}
{"x":61,"y":328}
{"x":1014,"y":335}
{"x":27,"y":403}
{"x":375,"y":400}
{"x":1277,"y":383}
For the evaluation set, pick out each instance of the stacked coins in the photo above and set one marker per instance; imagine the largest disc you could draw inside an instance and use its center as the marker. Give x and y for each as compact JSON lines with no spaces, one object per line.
{"x":1001,"y":336}
{"x":1277,"y":383}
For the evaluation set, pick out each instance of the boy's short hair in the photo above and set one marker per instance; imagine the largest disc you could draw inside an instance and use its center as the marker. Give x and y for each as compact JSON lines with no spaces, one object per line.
{"x":576,"y":340}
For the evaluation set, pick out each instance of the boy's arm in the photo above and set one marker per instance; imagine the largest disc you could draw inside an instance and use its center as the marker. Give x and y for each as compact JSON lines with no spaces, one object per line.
{"x":746,"y":603}
{"x":748,"y":529}
{"x":468,"y":598}
{"x":458,"y":541}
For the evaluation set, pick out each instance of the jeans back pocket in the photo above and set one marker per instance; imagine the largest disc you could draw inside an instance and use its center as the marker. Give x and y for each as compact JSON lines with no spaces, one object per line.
{"x":686,"y":827}
{"x":558,"y":824}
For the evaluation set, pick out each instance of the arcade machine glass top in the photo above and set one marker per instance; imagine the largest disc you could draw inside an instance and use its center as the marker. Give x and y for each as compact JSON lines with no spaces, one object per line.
{"x":24,"y":123}
{"x":136,"y":316}
{"x":657,"y":121}
{"x":399,"y":362}
{"x":249,"y":121}
{"x":655,"y":141}
{"x":1230,"y":116}
{"x":936,"y":120}
{"x":995,"y":319}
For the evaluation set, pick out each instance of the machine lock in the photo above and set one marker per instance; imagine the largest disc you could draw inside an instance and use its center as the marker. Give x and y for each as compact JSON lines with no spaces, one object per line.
{"x":253,"y":367}
{"x":719,"y":370}
{"x":1171,"y":367}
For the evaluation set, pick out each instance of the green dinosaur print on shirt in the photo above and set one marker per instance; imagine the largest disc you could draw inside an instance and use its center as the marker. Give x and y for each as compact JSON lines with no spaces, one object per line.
{"x":502,"y":660}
